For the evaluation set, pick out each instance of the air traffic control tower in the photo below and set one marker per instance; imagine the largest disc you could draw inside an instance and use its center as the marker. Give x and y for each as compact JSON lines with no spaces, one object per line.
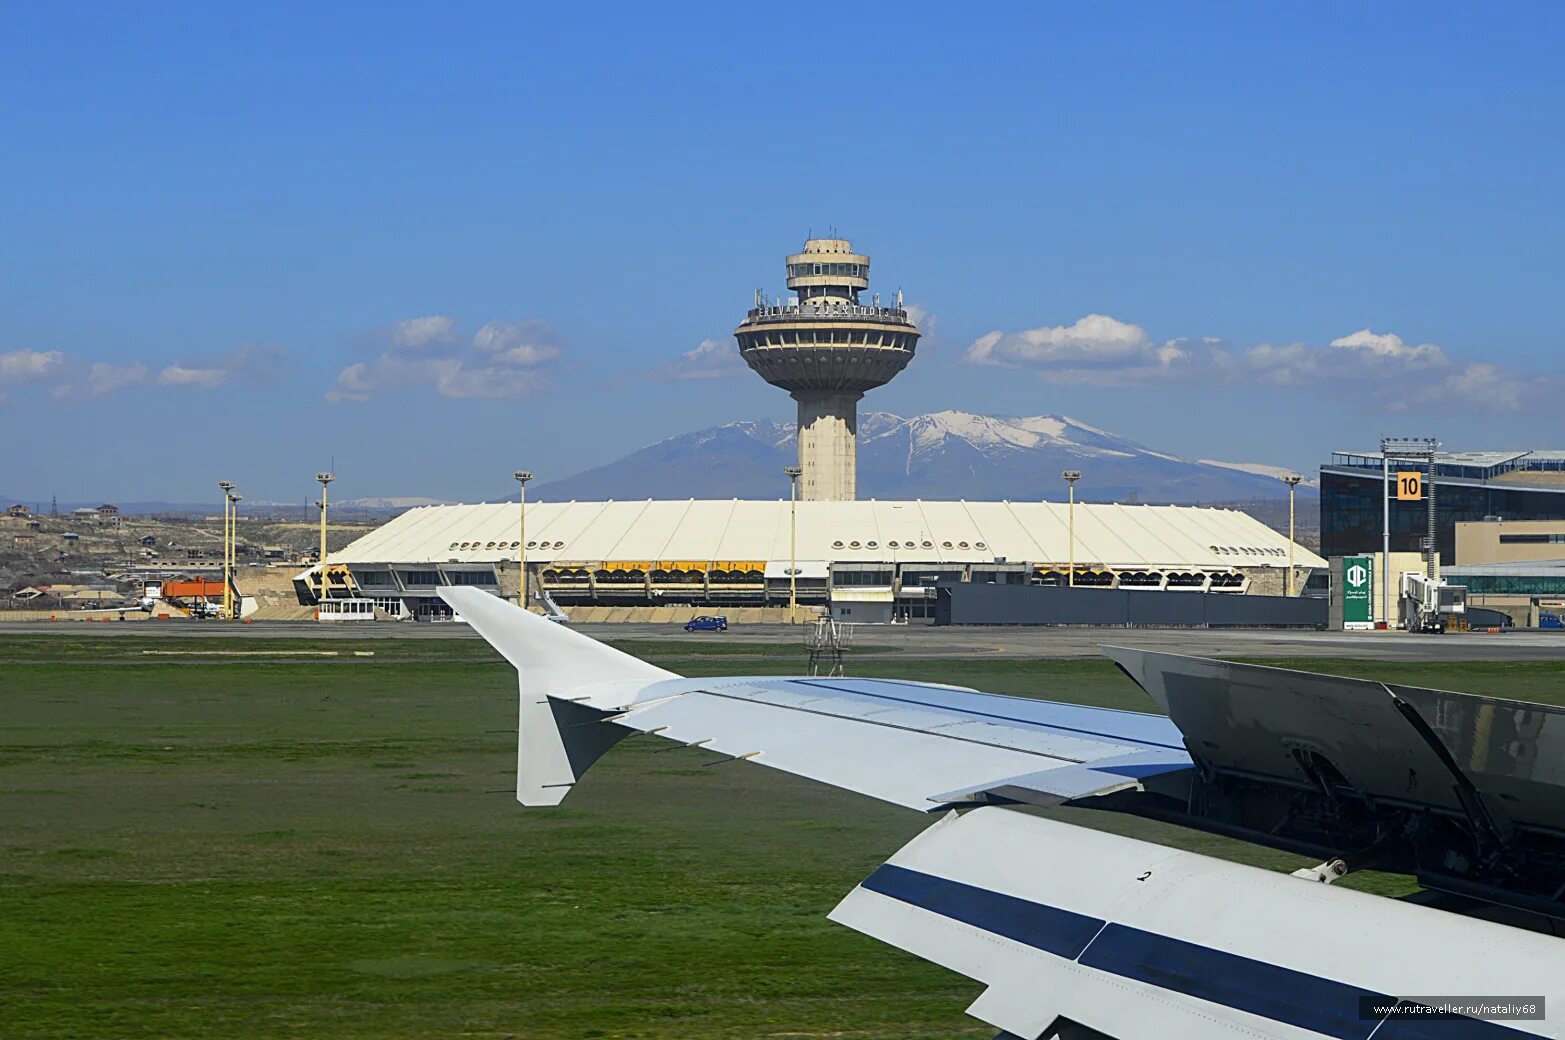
{"x":826,"y":348}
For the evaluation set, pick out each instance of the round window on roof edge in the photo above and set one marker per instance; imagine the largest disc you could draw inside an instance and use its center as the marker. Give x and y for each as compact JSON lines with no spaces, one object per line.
{"x":453,"y":545}
{"x":532,"y":545}
{"x":872,"y":545}
{"x":979,"y":545}
{"x":961,"y":545}
{"x":836,"y":545}
{"x":559,"y":545}
{"x":853,"y":545}
{"x":489,"y":546}
{"x":928,"y":544}
{"x":945,"y":545}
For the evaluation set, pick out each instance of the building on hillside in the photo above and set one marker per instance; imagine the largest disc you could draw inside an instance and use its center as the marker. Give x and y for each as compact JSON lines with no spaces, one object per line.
{"x":108,"y":514}
{"x":19,"y":512}
{"x":867,"y":560}
{"x":1468,"y":485}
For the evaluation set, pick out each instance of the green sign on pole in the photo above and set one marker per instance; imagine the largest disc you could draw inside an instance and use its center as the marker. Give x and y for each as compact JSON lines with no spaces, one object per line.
{"x":1358,"y":592}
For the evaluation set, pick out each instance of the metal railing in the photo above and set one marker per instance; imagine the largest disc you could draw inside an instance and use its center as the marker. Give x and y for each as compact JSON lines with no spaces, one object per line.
{"x":807,"y":312}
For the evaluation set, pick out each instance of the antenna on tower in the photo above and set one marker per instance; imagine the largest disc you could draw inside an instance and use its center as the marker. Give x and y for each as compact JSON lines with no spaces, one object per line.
{"x":899,"y":299}
{"x":760,"y":298}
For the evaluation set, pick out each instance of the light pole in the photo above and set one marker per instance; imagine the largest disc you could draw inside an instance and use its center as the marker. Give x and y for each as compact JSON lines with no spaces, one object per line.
{"x":1292,"y":480}
{"x":228,"y":505}
{"x":232,"y":609}
{"x":522,"y":477}
{"x":1070,"y":477}
{"x":325,"y":479}
{"x":793,"y":542}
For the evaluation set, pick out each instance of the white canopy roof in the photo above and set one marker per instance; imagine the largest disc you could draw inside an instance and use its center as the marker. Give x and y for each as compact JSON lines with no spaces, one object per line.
{"x":1119,"y":536}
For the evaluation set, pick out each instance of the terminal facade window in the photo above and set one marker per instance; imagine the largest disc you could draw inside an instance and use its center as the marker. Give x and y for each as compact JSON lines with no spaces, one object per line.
{"x":860,"y":578}
{"x":987,"y":577}
{"x":1514,"y":584}
{"x":1350,"y":513}
{"x":929,"y":577}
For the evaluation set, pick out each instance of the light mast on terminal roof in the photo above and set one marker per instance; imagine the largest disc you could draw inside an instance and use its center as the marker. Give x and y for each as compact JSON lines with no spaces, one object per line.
{"x":826,"y":349}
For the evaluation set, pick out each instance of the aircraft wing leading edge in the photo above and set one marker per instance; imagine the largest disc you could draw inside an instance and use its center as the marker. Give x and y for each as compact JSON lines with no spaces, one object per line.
{"x":916,"y":745}
{"x":1064,"y":927}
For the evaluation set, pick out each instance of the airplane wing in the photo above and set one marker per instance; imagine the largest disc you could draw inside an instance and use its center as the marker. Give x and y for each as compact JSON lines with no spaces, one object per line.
{"x":1077,"y":933}
{"x":917,"y":745}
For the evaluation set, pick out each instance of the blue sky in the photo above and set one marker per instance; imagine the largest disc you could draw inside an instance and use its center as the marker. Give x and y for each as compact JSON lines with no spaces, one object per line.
{"x":436,"y":243}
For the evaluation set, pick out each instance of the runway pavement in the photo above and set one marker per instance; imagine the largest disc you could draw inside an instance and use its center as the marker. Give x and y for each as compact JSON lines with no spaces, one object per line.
{"x":912,"y":640}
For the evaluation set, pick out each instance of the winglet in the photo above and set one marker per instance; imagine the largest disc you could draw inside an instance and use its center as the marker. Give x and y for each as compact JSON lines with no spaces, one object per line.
{"x":553,"y":748}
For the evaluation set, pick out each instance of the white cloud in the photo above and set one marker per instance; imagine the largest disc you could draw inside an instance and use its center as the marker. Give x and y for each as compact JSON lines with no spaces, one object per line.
{"x":1094,"y":340}
{"x":1380,"y":367}
{"x":709,"y":359}
{"x":1488,"y":386}
{"x":449,"y":377}
{"x":29,"y":366}
{"x":1096,"y":349}
{"x":101,"y":378}
{"x":928,"y":325}
{"x":248,"y":364}
{"x":195,"y":378}
{"x":1391,"y":347}
{"x":418,"y":333}
{"x":526,"y":342}
{"x":502,"y":359}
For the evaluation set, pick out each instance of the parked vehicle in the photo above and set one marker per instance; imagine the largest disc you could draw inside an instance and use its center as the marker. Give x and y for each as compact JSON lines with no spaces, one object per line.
{"x":1548,"y":619}
{"x":707,"y":623}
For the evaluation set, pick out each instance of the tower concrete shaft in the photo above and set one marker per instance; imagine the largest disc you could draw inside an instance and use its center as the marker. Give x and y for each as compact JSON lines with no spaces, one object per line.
{"x":826,"y":349}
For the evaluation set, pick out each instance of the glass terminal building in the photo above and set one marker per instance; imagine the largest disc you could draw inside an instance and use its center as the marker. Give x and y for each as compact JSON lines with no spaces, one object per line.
{"x":1469,"y":485}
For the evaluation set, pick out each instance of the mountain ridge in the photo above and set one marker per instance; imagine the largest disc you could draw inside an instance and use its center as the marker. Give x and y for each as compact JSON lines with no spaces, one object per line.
{"x":940,"y":455}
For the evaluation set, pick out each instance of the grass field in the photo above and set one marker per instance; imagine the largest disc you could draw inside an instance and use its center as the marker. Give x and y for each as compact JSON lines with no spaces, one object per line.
{"x":280,"y":845}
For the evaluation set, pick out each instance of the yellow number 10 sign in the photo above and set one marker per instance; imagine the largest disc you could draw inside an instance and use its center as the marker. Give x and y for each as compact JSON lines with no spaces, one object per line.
{"x":1410,"y":486}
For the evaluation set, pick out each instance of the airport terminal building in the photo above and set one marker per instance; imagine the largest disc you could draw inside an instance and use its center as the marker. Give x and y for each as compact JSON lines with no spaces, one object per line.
{"x":865,"y":561}
{"x":1469,"y":486}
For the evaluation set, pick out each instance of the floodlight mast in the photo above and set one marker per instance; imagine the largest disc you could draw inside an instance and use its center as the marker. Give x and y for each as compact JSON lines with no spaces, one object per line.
{"x":522,"y":476}
{"x":1292,"y":480}
{"x":1070,"y":477}
{"x":1408,"y":449}
{"x":793,"y":473}
{"x":227,"y":487}
{"x":325,"y":479}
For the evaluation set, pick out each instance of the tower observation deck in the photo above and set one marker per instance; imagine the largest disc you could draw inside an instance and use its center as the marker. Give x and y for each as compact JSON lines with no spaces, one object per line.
{"x":826,"y":349}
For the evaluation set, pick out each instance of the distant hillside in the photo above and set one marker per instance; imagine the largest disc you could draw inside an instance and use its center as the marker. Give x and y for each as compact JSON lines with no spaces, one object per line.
{"x":943,"y":455}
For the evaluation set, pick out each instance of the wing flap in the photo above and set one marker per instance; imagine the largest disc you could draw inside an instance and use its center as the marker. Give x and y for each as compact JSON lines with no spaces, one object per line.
{"x":897,"y":765}
{"x":1086,"y":780}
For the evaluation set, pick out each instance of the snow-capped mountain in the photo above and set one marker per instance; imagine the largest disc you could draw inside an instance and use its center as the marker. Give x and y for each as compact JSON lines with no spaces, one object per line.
{"x":942,"y":455}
